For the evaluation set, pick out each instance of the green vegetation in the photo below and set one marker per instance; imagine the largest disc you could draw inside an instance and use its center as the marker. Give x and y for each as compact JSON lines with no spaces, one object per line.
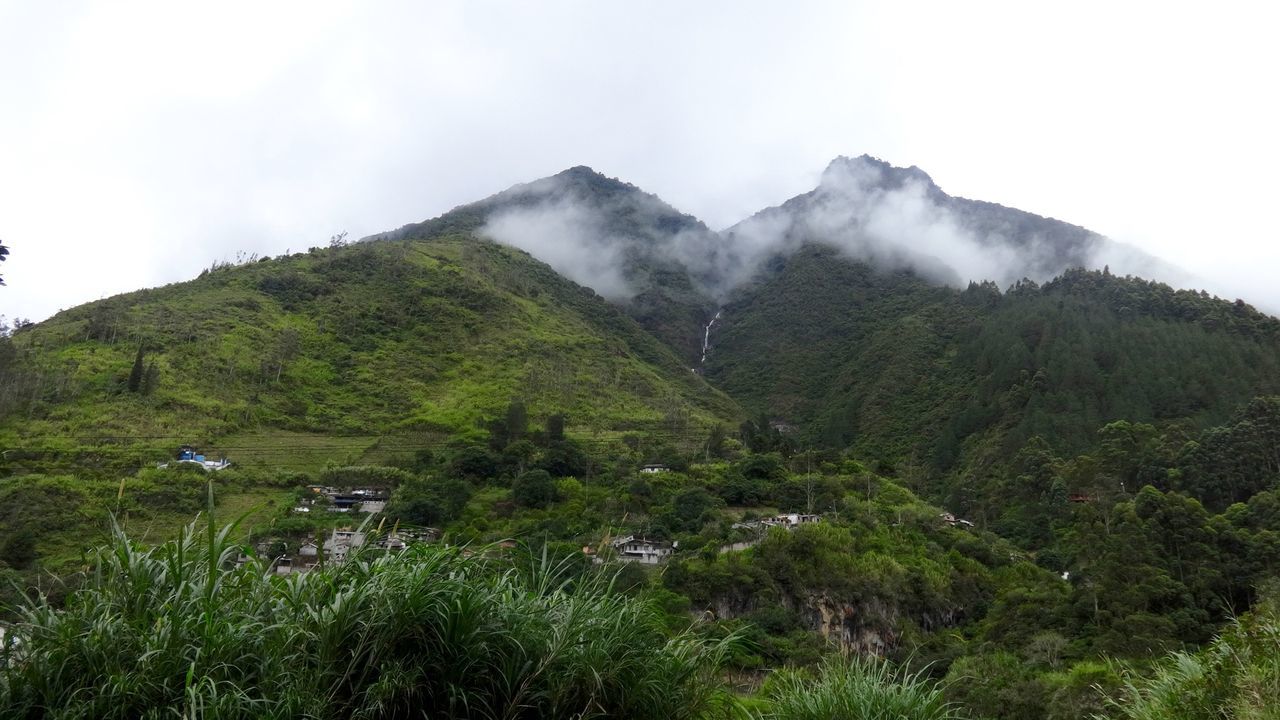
{"x":422,"y":340}
{"x":65,"y":517}
{"x":667,"y":302}
{"x":177,"y":629}
{"x":907,"y":372}
{"x":861,"y":689}
{"x":1051,"y":501}
{"x":1238,"y":676}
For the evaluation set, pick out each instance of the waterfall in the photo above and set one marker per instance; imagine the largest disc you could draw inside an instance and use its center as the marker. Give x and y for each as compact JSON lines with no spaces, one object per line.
{"x":706,"y":336}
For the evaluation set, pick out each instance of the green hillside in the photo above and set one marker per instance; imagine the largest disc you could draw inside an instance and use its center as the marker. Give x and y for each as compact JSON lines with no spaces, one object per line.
{"x":906,"y":371}
{"x":419,"y":339}
{"x":646,"y":235}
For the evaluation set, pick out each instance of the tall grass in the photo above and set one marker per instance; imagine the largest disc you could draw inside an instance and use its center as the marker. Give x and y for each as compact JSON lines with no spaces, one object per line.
{"x":856,"y":689}
{"x":1238,"y":676}
{"x":178,"y":631}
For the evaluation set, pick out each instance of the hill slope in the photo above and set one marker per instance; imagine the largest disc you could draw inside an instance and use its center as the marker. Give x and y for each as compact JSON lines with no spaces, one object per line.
{"x":420,"y":338}
{"x":624,"y":243}
{"x":895,"y":364}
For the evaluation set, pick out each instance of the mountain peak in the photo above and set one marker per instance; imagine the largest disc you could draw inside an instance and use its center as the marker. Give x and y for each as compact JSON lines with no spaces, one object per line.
{"x":874,"y":171}
{"x":581,"y":171}
{"x":585,"y":179}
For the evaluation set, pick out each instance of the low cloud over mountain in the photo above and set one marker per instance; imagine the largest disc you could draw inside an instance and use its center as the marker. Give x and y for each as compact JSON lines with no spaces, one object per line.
{"x":607,"y":235}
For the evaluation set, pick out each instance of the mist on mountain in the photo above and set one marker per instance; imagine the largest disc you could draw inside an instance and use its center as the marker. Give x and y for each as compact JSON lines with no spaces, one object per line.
{"x":570,"y":236}
{"x":604,"y":234}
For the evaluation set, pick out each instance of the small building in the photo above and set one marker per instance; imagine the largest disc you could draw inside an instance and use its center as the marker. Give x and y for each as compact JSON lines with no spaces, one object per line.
{"x":782,"y":427}
{"x":308,"y":550}
{"x":654,"y":468}
{"x":643,"y":550}
{"x":392,"y":542}
{"x":791,"y":520}
{"x":420,"y":534}
{"x":188,"y":455}
{"x":341,"y":543}
{"x":365,"y":500}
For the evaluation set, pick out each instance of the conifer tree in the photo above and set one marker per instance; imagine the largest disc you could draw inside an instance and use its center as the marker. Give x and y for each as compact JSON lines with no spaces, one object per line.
{"x":135,"y":375}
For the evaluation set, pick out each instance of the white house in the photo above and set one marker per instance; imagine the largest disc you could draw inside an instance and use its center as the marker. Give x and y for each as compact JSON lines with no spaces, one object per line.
{"x":643,"y":550}
{"x":791,"y":520}
{"x":654,"y":468}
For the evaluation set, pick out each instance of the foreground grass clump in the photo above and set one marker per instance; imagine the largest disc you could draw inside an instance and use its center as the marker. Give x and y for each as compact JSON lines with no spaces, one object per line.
{"x":858,"y":689}
{"x":178,"y":631}
{"x":1238,"y":676}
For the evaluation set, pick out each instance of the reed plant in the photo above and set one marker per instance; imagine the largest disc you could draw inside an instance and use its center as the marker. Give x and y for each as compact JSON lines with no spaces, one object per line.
{"x":855,"y":689}
{"x":181,"y":631}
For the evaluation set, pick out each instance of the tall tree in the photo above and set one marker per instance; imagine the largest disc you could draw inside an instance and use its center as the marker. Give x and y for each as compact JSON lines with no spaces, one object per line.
{"x":555,"y":427}
{"x":517,"y":420}
{"x":4,"y":253}
{"x":135,"y":375}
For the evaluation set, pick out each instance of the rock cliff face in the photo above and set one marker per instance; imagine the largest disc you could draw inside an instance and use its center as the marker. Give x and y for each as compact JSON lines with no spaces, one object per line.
{"x":863,"y":627}
{"x":859,"y":629}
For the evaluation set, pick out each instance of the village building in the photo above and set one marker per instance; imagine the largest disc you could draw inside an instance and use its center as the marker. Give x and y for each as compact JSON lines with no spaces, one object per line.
{"x":643,"y":550}
{"x":341,"y":543}
{"x":953,"y":521}
{"x":785,"y":520}
{"x":392,"y":542}
{"x":341,"y":500}
{"x":188,"y":455}
{"x":654,"y":468}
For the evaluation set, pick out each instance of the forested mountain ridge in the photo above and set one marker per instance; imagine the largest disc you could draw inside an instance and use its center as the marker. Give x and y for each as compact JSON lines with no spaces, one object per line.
{"x":848,"y":354}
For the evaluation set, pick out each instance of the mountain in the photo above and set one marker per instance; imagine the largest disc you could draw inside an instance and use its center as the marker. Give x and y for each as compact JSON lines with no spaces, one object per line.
{"x":898,"y":218}
{"x":901,"y":368}
{"x":970,"y":440}
{"x":410,"y":338}
{"x":622,"y":242}
{"x":868,"y":313}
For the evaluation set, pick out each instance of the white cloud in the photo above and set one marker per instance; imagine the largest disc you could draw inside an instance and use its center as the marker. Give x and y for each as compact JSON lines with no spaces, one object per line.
{"x":570,"y":236}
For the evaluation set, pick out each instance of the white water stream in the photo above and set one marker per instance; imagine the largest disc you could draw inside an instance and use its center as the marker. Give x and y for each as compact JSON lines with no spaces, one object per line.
{"x":706,"y":336}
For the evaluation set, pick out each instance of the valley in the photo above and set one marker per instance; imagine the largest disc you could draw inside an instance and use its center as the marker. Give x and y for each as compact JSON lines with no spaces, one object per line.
{"x":1034,"y":474}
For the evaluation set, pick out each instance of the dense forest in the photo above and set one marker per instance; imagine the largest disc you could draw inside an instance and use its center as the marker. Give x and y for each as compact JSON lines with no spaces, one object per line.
{"x":877,"y":494}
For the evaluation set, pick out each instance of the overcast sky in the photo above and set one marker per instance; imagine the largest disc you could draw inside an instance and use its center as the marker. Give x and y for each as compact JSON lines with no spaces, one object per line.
{"x":140,"y":142}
